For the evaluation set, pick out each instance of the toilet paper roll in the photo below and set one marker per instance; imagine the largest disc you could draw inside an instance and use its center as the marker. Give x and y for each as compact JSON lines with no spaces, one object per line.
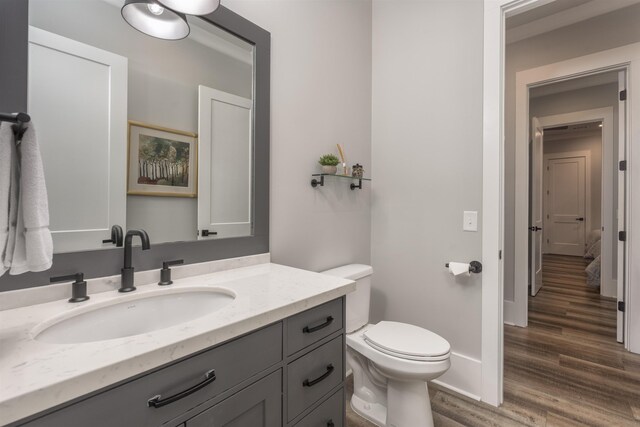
{"x":459,"y":268}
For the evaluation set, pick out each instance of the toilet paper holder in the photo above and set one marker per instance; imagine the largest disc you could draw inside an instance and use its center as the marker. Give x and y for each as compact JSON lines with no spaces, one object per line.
{"x":474,"y":267}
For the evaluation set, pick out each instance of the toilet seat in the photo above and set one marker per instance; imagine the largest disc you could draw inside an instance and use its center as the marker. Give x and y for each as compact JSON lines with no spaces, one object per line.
{"x":407,"y":342}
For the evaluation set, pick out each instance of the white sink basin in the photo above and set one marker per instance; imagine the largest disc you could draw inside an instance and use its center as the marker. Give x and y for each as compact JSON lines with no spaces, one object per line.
{"x":132,"y":315}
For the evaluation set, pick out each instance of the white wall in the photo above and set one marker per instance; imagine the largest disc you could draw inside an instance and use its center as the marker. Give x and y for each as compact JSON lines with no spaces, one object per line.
{"x":320,"y":96}
{"x":592,"y":143}
{"x":605,"y":32}
{"x":427,"y":156}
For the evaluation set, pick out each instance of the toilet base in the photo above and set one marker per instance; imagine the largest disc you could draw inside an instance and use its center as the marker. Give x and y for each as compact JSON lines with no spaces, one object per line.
{"x":409,"y":406}
{"x":373,"y":412}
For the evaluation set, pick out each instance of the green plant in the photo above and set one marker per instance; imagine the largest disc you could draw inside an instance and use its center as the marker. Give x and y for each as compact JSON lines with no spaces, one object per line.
{"x":329,"y":160}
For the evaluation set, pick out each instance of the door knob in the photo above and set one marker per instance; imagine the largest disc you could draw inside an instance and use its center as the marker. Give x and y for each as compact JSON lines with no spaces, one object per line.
{"x":534,"y":228}
{"x":580,"y":219}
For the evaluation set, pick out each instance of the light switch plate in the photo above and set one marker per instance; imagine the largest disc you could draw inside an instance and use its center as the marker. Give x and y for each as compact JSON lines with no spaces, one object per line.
{"x":470,"y":221}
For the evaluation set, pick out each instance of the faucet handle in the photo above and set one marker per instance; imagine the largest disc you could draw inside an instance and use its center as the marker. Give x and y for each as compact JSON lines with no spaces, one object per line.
{"x":78,"y":287}
{"x":167,"y":264}
{"x":165,"y":273}
{"x":116,"y":236}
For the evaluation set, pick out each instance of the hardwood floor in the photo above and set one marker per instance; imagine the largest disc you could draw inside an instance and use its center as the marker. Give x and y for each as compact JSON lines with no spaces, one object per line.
{"x":565,"y":369}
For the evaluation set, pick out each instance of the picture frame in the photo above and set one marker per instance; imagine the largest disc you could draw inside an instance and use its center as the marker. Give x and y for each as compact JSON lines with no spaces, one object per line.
{"x":161,"y":161}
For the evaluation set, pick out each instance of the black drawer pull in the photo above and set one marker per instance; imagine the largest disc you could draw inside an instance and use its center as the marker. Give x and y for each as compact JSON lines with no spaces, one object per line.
{"x":310,"y":383}
{"x":158,"y":401}
{"x":308,"y":330}
{"x":330,"y":423}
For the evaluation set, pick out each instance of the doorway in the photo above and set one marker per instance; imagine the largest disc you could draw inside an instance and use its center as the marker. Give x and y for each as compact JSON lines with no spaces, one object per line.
{"x":498,"y":305}
{"x":574,"y":194}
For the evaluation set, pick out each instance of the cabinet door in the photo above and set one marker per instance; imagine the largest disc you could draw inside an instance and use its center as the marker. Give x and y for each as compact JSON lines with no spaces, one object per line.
{"x":259,"y":405}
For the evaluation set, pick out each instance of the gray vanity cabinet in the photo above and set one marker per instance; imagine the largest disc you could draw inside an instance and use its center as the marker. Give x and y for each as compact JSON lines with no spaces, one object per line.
{"x":258,"y":405}
{"x":290,"y":373}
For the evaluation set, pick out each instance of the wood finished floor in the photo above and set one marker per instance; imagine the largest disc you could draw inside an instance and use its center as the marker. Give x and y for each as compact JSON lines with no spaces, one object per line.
{"x":565,"y":369}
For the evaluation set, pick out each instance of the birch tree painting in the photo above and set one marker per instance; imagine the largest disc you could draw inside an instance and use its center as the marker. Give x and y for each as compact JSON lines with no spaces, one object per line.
{"x":163,"y":162}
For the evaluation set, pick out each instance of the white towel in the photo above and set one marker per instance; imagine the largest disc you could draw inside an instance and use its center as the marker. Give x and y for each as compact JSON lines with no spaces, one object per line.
{"x":33,"y":247}
{"x":6,"y":156}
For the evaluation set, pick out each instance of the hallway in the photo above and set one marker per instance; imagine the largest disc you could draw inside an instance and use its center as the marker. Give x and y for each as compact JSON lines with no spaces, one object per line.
{"x":565,"y":369}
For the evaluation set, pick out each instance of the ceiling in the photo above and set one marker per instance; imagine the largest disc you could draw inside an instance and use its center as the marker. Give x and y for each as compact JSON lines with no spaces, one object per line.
{"x":542,"y":12}
{"x":554,"y":14}
{"x":572,"y":131}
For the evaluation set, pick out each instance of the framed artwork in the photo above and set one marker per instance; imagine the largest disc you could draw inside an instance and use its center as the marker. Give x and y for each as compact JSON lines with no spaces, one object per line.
{"x":161,"y":161}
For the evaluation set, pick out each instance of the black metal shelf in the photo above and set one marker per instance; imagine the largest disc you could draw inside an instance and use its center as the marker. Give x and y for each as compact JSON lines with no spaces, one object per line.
{"x":320,"y":182}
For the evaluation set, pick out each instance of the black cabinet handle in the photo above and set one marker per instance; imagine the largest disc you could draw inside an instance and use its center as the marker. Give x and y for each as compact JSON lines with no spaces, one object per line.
{"x":580,"y":219}
{"x":330,"y":423}
{"x":158,"y":401}
{"x":311,"y":383}
{"x":308,"y":330}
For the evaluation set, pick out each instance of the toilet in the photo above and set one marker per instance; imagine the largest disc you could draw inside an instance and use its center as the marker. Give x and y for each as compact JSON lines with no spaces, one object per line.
{"x":391,"y":361}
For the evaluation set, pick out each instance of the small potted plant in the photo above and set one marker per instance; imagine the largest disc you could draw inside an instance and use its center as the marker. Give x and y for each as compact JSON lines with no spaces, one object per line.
{"x":329,"y":163}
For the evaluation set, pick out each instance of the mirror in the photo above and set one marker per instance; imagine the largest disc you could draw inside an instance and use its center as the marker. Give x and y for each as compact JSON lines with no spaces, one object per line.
{"x":140,"y":132}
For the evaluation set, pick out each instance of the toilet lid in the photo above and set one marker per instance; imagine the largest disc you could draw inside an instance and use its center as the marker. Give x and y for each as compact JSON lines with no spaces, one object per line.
{"x":407,"y":341}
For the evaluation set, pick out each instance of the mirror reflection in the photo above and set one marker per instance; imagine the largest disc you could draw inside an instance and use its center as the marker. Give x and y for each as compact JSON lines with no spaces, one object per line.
{"x":140,"y":132}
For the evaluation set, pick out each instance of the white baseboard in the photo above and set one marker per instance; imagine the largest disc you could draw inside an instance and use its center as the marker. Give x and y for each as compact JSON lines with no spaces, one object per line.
{"x":608,"y":288}
{"x":464,"y":376}
{"x":509,"y":315}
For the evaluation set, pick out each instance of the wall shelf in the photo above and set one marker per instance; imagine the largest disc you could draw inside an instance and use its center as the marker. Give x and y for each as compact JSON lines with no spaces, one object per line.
{"x":315,"y":182}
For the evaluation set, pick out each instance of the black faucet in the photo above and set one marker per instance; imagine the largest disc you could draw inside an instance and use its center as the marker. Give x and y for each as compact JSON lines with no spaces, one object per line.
{"x":126,"y":283}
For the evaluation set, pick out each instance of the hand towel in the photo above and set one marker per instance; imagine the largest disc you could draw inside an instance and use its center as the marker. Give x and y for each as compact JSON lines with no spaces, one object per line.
{"x":33,"y":248}
{"x":6,"y":156}
{"x":14,"y":185}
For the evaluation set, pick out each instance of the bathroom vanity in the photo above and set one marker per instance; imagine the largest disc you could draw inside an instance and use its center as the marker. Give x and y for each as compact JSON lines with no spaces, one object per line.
{"x":274,"y":356}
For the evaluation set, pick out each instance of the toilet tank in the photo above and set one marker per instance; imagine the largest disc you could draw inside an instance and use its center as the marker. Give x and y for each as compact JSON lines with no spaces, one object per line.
{"x":357,"y":301}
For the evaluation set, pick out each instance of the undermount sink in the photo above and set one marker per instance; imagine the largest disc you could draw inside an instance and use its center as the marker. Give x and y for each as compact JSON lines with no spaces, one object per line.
{"x":137,"y":314}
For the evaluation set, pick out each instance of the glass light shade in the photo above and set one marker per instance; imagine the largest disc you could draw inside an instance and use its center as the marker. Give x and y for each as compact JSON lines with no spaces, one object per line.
{"x":149,"y":17}
{"x":192,"y":7}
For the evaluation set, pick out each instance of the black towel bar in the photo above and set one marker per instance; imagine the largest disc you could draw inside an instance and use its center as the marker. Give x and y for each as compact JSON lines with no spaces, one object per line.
{"x":15,"y":117}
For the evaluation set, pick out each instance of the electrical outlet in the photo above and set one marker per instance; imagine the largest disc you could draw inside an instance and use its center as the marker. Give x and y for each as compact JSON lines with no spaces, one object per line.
{"x":470,"y":221}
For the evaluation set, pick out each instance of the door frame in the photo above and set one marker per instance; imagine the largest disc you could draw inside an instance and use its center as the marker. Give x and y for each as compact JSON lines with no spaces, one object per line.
{"x":608,"y":284}
{"x":495,"y":12}
{"x":517,"y":312}
{"x":587,"y":187}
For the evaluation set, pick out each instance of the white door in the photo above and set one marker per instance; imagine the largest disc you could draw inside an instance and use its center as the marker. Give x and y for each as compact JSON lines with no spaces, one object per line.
{"x":621,"y":208}
{"x":78,"y":102}
{"x":566,"y":197}
{"x":225,"y":164}
{"x":537,"y":214}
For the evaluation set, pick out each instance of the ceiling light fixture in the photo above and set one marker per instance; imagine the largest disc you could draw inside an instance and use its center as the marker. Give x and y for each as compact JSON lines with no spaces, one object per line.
{"x":149,"y":17}
{"x":192,"y":7}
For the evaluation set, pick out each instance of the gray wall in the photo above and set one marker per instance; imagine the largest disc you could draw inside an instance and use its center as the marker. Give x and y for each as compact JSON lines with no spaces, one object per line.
{"x":320,"y":96}
{"x":427,"y":156}
{"x":161,"y":92}
{"x":593,"y":144}
{"x":605,"y":32}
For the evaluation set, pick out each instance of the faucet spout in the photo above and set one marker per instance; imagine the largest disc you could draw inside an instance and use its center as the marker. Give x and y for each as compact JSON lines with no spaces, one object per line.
{"x":127,"y":284}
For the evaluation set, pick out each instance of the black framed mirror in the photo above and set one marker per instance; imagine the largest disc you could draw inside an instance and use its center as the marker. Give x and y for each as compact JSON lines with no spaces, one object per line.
{"x":96,"y":263}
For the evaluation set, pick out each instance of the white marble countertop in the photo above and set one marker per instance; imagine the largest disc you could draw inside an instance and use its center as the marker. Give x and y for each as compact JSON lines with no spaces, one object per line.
{"x":35,"y":376}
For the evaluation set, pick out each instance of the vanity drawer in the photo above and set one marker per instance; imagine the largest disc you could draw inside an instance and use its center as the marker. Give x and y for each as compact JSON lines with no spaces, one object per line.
{"x":307,"y":327}
{"x":314,"y":375}
{"x":127,"y":405}
{"x":328,"y":414}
